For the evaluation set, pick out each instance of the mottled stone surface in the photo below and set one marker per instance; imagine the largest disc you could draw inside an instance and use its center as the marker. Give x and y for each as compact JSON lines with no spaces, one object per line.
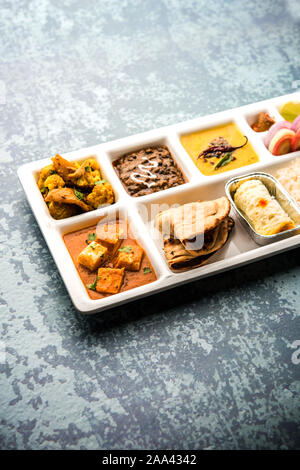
{"x":205,"y":366}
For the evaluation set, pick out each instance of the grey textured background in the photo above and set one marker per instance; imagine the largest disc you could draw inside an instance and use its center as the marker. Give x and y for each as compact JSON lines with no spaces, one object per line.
{"x":204,"y":366}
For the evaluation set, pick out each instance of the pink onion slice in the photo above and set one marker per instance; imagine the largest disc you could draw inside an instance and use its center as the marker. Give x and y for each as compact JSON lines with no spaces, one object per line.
{"x":274,"y":129}
{"x":296,"y":124}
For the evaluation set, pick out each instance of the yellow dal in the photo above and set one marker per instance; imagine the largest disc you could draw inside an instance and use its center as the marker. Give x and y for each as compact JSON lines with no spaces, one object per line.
{"x":196,"y":142}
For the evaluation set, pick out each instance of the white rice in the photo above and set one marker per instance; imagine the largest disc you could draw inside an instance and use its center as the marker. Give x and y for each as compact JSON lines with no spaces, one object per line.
{"x":289,"y":177}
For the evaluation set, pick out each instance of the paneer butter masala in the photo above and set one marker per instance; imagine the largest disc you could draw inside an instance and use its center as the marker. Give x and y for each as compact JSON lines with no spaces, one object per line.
{"x":108,"y":259}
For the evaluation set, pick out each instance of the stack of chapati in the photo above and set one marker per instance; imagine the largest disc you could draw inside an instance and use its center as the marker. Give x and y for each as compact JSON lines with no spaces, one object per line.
{"x":193,"y":232}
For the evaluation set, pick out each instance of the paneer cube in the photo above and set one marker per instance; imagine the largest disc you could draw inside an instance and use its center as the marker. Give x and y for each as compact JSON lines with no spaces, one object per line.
{"x":111,"y":236}
{"x":109,"y":280}
{"x":93,"y":256}
{"x":129,"y":257}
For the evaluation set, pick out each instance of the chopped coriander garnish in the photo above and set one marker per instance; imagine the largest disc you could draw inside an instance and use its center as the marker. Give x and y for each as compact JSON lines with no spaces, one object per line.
{"x":127,"y":249}
{"x":93,"y":285}
{"x":52,"y":172}
{"x":147,"y":270}
{"x":43,"y":189}
{"x":78,"y":194}
{"x":100,"y":182}
{"x":87,"y":169}
{"x":91,"y":237}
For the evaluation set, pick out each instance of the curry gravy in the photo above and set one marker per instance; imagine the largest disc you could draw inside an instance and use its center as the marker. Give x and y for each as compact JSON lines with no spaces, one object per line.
{"x":198,"y":141}
{"x":77,"y":241}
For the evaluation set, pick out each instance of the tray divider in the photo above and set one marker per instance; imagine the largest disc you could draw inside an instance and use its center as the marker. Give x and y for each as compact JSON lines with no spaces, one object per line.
{"x":143,"y":237}
{"x":254,"y":139}
{"x":188,"y":166}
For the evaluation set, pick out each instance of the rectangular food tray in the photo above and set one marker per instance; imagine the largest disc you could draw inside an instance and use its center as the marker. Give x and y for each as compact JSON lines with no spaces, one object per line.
{"x":240,"y":249}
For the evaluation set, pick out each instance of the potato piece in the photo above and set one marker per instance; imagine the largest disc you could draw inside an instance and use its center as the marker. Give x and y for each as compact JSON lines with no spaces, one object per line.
{"x":102,"y":194}
{"x":67,"y":196}
{"x":63,"y":167}
{"x":110,"y":235}
{"x":62,"y":211}
{"x":109,"y":280}
{"x":93,"y":256}
{"x":129,"y":257}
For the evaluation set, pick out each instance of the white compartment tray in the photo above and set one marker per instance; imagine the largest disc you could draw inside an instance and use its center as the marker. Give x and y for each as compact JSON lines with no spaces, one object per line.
{"x":239,"y":250}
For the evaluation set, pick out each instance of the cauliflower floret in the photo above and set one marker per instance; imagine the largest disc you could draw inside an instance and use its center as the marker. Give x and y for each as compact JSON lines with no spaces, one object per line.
{"x":45,"y":172}
{"x":62,"y":211}
{"x":102,"y":194}
{"x":54,"y":182}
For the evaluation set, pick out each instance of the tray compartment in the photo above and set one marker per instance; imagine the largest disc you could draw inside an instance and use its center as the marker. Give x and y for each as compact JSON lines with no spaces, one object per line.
{"x":251,"y":116}
{"x":34,"y":171}
{"x":122,"y":214}
{"x":278,"y":192}
{"x":242,"y":126}
{"x":282,"y":100}
{"x":258,"y":137}
{"x":130,"y":146}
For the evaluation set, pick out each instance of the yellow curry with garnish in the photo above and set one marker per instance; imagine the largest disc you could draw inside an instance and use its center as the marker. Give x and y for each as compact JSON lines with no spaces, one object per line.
{"x":219,"y":149}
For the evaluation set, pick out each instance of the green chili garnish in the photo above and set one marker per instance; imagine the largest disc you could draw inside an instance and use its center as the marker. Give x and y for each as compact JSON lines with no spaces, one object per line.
{"x":224,"y":161}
